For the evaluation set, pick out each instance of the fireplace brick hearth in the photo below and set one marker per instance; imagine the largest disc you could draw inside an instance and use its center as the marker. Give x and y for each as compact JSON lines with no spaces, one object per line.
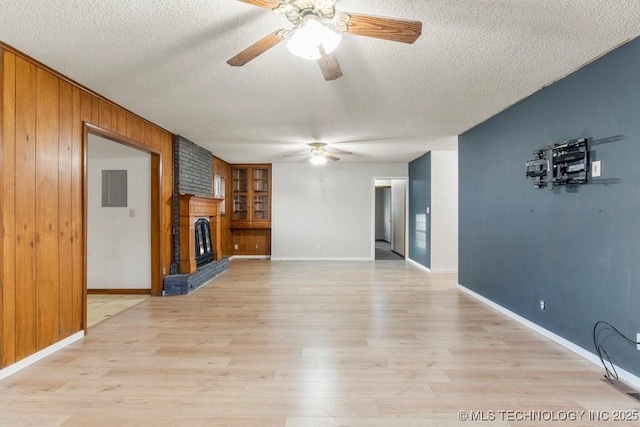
{"x":182,"y":284}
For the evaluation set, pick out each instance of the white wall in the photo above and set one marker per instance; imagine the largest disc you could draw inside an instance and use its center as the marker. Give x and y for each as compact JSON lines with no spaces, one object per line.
{"x":444,"y":211}
{"x":118,"y":244}
{"x":330,"y":206}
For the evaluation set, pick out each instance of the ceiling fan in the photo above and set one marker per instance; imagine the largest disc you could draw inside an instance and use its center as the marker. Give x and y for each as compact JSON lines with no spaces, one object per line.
{"x":320,"y":153}
{"x":312,"y":37}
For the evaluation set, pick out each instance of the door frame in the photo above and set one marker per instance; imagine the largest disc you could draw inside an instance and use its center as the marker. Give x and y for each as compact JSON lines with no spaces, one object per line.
{"x":373,"y":214}
{"x":156,"y":214}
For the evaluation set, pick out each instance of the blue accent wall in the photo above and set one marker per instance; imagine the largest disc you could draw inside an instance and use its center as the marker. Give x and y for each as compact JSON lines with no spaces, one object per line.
{"x":578,"y":249}
{"x":419,"y":201}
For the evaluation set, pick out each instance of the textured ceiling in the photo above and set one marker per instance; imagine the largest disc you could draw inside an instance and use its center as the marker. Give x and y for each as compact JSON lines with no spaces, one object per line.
{"x":166,"y":61}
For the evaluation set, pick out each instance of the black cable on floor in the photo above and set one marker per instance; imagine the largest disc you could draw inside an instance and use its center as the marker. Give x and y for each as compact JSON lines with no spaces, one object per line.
{"x":602,"y":353}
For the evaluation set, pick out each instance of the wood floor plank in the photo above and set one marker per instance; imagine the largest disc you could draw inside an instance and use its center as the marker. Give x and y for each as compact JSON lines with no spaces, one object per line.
{"x":306,"y":344}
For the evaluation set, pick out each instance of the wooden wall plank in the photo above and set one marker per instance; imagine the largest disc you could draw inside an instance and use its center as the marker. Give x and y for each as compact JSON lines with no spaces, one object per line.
{"x":223,"y":169}
{"x":2,"y":212}
{"x":167,"y":193}
{"x":65,"y":211}
{"x":122,"y":121}
{"x":105,"y":116}
{"x":86,"y":110}
{"x":7,"y":208}
{"x":134,"y":128}
{"x":160,"y":140}
{"x":114,"y":118}
{"x":47,"y":208}
{"x":95,"y":110}
{"x":81,"y":100}
{"x":156,"y":277}
{"x":25,"y":199}
{"x":146,"y":137}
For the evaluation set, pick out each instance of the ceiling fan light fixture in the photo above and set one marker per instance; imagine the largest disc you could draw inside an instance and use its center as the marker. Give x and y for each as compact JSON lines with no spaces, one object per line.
{"x":318,"y":160}
{"x":305,"y":41}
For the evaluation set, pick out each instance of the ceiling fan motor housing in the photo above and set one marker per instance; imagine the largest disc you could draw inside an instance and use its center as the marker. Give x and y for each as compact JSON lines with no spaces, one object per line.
{"x":298,"y":12}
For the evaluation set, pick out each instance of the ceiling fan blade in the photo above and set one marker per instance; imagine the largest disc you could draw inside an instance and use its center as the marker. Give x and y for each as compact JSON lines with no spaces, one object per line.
{"x":334,"y":150}
{"x":257,"y":49}
{"x":327,"y":156}
{"x":329,"y":65}
{"x":397,"y":30}
{"x":267,"y":4}
{"x":306,"y":153}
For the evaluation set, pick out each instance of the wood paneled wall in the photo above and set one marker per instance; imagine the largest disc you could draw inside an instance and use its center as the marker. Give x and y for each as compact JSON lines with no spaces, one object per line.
{"x":223,"y":169}
{"x":42,"y":151}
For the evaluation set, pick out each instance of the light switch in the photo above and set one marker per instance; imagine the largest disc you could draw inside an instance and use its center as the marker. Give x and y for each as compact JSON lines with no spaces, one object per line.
{"x":428,"y":210}
{"x":596,"y":170}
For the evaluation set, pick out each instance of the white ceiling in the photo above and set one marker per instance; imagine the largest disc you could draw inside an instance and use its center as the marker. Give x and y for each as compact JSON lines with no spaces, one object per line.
{"x":166,"y":61}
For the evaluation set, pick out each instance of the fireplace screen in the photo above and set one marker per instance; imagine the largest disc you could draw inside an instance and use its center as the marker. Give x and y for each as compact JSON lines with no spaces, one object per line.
{"x":204,"y":251}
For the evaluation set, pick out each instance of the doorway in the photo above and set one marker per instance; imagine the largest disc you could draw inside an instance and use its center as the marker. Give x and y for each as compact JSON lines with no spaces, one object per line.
{"x":390,"y":219}
{"x":122,"y":217}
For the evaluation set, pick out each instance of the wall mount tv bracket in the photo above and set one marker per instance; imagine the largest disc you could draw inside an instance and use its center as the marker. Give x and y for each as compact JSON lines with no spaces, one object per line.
{"x":566,"y":163}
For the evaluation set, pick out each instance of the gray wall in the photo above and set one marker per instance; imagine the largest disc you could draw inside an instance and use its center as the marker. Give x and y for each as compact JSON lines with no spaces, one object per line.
{"x":193,"y":168}
{"x":419,"y":201}
{"x":398,"y":214}
{"x":579,"y":249}
{"x":383,"y":214}
{"x":192,"y":174}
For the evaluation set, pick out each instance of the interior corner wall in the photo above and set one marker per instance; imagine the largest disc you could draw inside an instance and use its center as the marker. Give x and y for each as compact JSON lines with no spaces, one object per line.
{"x":118,"y":239}
{"x":331,"y":206}
{"x":444,"y":211}
{"x":575,"y":248}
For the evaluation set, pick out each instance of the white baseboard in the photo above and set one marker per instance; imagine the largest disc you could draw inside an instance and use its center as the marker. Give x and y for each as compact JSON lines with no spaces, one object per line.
{"x":249,"y":257}
{"x":318,"y":259}
{"x":625,"y":376}
{"x":443,"y":271}
{"x":21,"y":364}
{"x":417,"y":264}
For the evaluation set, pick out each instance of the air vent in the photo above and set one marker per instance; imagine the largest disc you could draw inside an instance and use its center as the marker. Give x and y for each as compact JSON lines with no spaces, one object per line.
{"x":624,"y":388}
{"x":635,"y":395}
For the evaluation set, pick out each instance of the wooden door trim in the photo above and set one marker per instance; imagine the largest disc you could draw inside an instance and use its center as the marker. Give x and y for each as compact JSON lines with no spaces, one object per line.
{"x":2,"y":236}
{"x":156,"y":214}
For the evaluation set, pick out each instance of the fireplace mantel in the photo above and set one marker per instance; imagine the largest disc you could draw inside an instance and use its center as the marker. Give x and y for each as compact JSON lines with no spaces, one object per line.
{"x":193,"y":207}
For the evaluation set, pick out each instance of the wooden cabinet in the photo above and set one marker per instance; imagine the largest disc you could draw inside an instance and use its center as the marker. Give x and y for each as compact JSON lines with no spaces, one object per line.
{"x":251,"y":209}
{"x":252,"y":241}
{"x":251,"y":196}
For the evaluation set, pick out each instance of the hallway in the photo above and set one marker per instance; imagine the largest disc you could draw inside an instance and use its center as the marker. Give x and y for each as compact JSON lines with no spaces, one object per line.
{"x":384,"y":252}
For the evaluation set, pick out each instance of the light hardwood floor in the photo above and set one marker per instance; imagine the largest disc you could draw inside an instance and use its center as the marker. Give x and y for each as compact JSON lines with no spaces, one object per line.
{"x":104,"y":306}
{"x":307,"y":344}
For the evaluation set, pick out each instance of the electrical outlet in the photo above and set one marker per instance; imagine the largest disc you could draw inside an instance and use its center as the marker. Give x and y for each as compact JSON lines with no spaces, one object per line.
{"x":164,"y":271}
{"x":235,"y":247}
{"x":638,"y":340}
{"x":318,"y":248}
{"x":256,"y":246}
{"x":543,"y":305}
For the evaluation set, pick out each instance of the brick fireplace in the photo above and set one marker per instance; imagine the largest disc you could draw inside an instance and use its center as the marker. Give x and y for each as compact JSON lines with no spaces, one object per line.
{"x":193,"y":201}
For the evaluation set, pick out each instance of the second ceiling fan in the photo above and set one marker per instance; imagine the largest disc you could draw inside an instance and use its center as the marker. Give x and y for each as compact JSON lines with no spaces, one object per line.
{"x":311,"y":35}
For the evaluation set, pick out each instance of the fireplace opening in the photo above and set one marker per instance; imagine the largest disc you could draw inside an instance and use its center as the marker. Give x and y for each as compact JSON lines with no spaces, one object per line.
{"x":204,"y":251}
